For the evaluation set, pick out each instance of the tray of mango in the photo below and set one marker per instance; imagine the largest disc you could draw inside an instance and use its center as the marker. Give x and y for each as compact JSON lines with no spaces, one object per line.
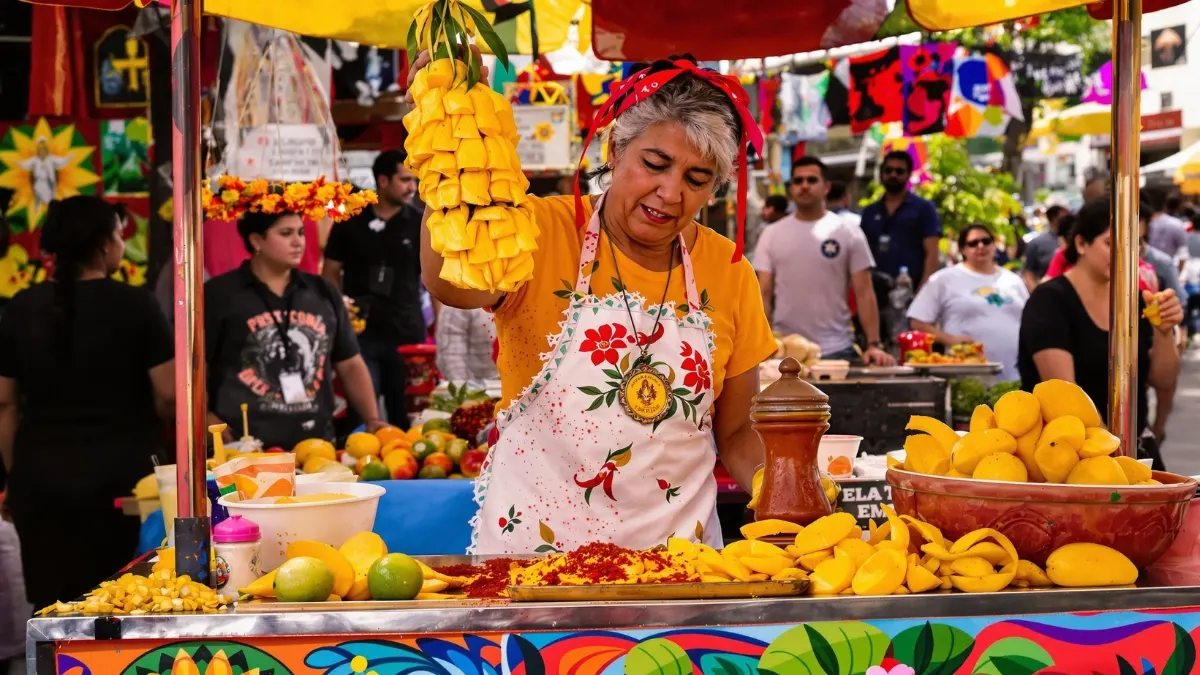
{"x":905,"y":555}
{"x":132,"y":595}
{"x":1052,"y":435}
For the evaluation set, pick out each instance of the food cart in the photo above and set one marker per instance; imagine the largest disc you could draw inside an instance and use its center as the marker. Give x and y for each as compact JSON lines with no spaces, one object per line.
{"x":1147,"y":628}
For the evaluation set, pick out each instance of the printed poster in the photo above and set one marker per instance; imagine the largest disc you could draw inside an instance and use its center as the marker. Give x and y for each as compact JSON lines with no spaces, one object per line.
{"x":876,"y":86}
{"x":928,"y":79}
{"x":125,"y":157}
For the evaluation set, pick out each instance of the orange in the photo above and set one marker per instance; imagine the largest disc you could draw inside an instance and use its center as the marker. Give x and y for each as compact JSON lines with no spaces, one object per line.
{"x":388,"y":434}
{"x":401,"y":443}
{"x":361,"y":444}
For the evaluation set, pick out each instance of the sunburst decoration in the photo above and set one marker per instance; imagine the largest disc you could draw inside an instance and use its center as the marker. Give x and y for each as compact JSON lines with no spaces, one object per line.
{"x":41,"y":163}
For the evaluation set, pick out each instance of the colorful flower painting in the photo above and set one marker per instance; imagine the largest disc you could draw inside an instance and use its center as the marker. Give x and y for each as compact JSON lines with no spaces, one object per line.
{"x":41,"y":163}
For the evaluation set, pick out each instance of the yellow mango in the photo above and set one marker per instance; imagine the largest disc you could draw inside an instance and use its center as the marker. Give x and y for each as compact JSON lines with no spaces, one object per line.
{"x":992,"y":583}
{"x":1056,"y":461}
{"x":1102,"y":470}
{"x":445,"y":163}
{"x":1149,"y":481}
{"x":475,"y":187}
{"x":519,"y":270}
{"x":769,"y":528}
{"x":434,"y":222}
{"x":464,"y":127}
{"x":923,"y":453}
{"x":1135,"y":471}
{"x":737,"y":568}
{"x":1017,"y":412}
{"x":934,"y":427}
{"x":893,"y":463}
{"x":931,"y":564}
{"x":970,"y":539}
{"x":485,"y":111}
{"x":929,"y":532}
{"x":919,"y":580}
{"x":682,"y":547}
{"x":495,"y":269}
{"x":955,"y":473}
{"x":991,"y":552}
{"x":790,"y":574}
{"x":715,"y":562}
{"x":443,"y":136}
{"x":1083,"y":564}
{"x":452,"y":270}
{"x":899,"y":531}
{"x":878,"y":533}
{"x":472,"y":275}
{"x":449,"y":192}
{"x":360,"y":590}
{"x":973,"y":447}
{"x":1067,"y":429}
{"x":972,"y":566}
{"x":470,"y":155}
{"x":1031,"y":574}
{"x":857,"y":549}
{"x":457,"y":102}
{"x":433,"y":586}
{"x":497,"y":157}
{"x":343,"y":572}
{"x":441,"y":72}
{"x":1059,"y":397}
{"x":262,"y":587}
{"x":1001,"y":466}
{"x":824,"y":532}
{"x":506,"y":248}
{"x":810,"y":561}
{"x":431,"y":106}
{"x":501,"y":191}
{"x":420,"y":85}
{"x":714,"y":579}
{"x":982,"y":418}
{"x":1026,"y":448}
{"x":881,"y":574}
{"x":1098,"y":443}
{"x":769,"y":565}
{"x":831,"y":577}
{"x":412,"y":123}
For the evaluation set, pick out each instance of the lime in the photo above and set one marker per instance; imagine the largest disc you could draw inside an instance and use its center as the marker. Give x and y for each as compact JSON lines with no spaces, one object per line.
{"x":432,"y":471}
{"x":395,"y":577}
{"x":375,"y":471}
{"x":303,"y":579}
{"x":423,"y":448}
{"x":439,"y":424}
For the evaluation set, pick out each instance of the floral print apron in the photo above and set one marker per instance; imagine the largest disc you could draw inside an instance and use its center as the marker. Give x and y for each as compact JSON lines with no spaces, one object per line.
{"x":571,"y":467}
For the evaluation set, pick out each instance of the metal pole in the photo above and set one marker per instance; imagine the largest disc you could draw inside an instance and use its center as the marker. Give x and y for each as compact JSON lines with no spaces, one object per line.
{"x":1126,"y":153}
{"x":192,"y":535}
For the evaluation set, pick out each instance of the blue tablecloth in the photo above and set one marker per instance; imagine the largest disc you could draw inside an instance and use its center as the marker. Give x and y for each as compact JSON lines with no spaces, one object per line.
{"x":418,"y":517}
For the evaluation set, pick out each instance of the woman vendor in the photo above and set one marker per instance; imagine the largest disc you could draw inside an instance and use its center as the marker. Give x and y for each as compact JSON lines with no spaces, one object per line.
{"x":613,"y":412}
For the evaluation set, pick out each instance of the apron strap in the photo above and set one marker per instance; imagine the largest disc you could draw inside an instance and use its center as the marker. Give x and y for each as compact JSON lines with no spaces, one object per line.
{"x":587,"y":256}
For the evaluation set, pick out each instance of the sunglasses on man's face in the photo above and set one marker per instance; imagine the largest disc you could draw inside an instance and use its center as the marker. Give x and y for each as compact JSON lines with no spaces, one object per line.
{"x":806,"y":180}
{"x":893,"y":171}
{"x":985,"y":241}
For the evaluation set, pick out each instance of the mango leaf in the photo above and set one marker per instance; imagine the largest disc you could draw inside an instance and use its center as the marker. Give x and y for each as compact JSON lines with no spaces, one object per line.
{"x":830,"y":647}
{"x":590,"y":391}
{"x":728,"y":664}
{"x":411,"y":42}
{"x":1013,"y":656}
{"x":657,"y":656}
{"x":1184,"y":656}
{"x":488,"y":34}
{"x":932,"y":649}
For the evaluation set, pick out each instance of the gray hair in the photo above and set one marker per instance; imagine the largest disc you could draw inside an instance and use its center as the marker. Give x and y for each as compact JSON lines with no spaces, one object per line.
{"x":707,"y":116}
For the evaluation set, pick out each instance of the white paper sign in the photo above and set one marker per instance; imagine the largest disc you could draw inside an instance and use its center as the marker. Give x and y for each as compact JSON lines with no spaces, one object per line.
{"x":283,"y":152}
{"x":545,"y":136}
{"x":360,"y":167}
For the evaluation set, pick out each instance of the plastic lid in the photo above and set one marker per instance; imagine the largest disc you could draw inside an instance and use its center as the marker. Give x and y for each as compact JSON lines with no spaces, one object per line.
{"x":236,"y":529}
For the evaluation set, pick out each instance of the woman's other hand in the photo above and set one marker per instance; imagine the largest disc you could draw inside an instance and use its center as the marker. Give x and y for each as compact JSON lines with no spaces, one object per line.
{"x":1170,"y":311}
{"x":874,"y":356}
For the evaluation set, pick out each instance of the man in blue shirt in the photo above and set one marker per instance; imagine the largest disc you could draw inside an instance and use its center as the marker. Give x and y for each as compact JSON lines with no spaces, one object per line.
{"x":902,"y":229}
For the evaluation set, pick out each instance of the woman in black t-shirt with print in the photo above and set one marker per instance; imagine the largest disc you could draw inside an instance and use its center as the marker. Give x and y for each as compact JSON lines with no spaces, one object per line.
{"x":1064,"y":328}
{"x":274,"y":336}
{"x":86,"y":375}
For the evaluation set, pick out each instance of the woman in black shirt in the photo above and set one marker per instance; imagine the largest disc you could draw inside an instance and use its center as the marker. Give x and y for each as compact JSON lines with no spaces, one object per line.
{"x":85,"y":364}
{"x":1064,"y":328}
{"x":274,"y":336}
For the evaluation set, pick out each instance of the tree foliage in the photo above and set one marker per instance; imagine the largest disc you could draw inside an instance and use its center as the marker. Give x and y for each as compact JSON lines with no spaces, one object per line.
{"x":963,"y":193}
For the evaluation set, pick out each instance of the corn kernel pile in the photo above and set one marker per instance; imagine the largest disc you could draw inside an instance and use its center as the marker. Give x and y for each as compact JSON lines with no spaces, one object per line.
{"x":462,"y":146}
{"x":160,"y":593}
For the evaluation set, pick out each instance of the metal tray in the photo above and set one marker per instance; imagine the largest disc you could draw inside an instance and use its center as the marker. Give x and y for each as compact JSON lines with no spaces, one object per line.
{"x":685,"y":591}
{"x":989,"y":368}
{"x":262,"y":606}
{"x":859,"y":372}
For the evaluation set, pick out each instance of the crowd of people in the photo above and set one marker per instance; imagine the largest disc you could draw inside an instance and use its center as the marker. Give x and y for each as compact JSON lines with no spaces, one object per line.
{"x":832,"y":276}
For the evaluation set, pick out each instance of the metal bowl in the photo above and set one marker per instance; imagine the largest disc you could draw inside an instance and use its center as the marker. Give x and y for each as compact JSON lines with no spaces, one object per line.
{"x":1139,"y":521}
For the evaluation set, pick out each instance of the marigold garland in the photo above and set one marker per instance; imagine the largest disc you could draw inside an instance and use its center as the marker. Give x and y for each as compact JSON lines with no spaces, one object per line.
{"x":235,"y":197}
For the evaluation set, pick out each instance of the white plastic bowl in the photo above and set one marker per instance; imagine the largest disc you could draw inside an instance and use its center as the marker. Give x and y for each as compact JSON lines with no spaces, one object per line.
{"x":329,"y":522}
{"x":834,"y":447}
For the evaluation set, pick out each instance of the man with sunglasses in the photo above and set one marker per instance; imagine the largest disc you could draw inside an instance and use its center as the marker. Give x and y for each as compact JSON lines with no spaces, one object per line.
{"x":902,"y":228}
{"x":807,"y":263}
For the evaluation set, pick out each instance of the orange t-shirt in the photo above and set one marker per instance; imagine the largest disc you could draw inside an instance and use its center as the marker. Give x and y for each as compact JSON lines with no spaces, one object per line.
{"x":530,"y":316}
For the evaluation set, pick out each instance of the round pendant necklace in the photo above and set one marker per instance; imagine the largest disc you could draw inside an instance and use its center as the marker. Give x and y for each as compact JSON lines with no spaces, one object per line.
{"x":645,"y":393}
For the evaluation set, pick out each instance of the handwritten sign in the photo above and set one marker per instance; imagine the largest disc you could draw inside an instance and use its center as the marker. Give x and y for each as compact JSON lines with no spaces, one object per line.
{"x":864,"y":499}
{"x":284,"y":152}
{"x":545,"y":136}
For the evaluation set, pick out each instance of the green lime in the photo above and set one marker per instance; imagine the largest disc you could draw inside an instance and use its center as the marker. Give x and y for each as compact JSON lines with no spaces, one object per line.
{"x":375,"y":471}
{"x":395,"y":576}
{"x":423,"y":448}
{"x":432,"y":471}
{"x":303,"y":579}
{"x":439,"y":424}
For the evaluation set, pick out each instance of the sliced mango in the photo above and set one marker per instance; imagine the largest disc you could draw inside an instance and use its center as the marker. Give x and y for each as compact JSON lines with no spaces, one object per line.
{"x":790,"y":574}
{"x":972,"y":448}
{"x":919,"y":580}
{"x":1031,"y":574}
{"x":881,"y":574}
{"x":812,"y":560}
{"x":972,"y":566}
{"x":769,"y":565}
{"x":899,"y":531}
{"x":934,"y":427}
{"x":1098,"y":442}
{"x":343,"y":572}
{"x":858,"y":550}
{"x":929,"y":532}
{"x":992,"y":583}
{"x":1135,"y":471}
{"x":982,"y":418}
{"x":923,"y":453}
{"x":831,"y":577}
{"x":769,"y":528}
{"x":824,"y":532}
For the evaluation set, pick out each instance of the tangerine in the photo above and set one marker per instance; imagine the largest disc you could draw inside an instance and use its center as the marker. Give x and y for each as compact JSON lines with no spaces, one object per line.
{"x":388,"y":434}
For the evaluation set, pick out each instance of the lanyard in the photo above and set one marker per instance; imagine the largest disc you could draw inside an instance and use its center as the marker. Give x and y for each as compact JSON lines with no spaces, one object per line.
{"x":283,"y":325}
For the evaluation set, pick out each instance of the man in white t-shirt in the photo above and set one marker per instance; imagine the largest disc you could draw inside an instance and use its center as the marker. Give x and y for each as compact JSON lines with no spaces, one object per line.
{"x":807,"y":263}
